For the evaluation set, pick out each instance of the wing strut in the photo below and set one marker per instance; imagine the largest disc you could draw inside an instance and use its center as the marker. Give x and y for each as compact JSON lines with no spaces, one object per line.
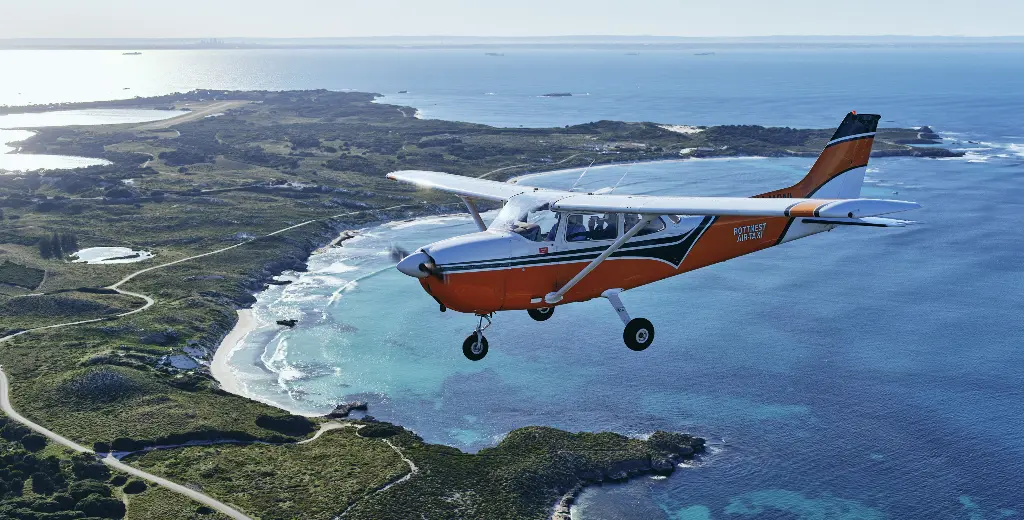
{"x":556,"y":296}
{"x":471,"y":206}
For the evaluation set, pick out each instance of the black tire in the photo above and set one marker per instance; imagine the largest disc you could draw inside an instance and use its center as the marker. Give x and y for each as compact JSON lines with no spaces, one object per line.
{"x":541,"y":314}
{"x":472,"y":350}
{"x":639,"y":334}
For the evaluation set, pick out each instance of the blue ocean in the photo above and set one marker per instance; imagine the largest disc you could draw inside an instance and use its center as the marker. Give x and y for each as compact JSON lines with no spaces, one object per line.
{"x":857,"y":374}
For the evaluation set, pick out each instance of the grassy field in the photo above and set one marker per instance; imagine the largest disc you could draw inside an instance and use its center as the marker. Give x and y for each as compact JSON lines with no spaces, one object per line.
{"x":274,"y":160}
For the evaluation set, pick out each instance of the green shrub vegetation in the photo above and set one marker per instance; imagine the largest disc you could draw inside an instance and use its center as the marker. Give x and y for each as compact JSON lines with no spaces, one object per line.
{"x":158,"y":503}
{"x":20,"y":275}
{"x":315,"y":480}
{"x":34,"y":486}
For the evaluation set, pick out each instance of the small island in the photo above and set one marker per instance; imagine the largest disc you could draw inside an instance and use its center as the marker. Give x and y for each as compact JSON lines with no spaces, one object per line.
{"x":557,"y":94}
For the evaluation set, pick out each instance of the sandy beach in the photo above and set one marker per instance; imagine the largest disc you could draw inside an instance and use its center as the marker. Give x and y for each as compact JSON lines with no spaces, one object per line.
{"x":219,"y":367}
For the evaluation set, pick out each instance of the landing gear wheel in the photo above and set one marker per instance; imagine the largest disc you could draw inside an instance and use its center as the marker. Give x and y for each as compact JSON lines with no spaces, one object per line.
{"x":473,"y":349}
{"x":639,"y":334}
{"x":541,"y":314}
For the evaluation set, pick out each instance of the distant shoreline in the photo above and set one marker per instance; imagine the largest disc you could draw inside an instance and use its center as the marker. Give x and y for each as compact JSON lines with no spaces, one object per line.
{"x":484,"y":42}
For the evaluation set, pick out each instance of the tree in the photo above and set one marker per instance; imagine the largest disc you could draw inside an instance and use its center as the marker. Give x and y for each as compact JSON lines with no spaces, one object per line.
{"x":55,"y":248}
{"x":83,"y":488}
{"x":69,"y":242}
{"x":103,"y":507}
{"x":134,"y":487}
{"x":44,"y":248}
{"x":33,"y":442}
{"x":41,"y":484}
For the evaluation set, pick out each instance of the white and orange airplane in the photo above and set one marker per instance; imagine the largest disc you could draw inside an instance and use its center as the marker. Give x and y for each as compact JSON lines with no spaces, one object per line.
{"x":551,"y":247}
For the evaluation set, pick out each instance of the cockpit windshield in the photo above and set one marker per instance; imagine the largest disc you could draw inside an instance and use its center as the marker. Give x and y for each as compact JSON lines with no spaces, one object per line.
{"x":527,"y":217}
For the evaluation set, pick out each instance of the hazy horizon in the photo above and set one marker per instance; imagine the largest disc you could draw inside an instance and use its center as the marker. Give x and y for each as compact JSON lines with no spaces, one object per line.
{"x":195,"y":19}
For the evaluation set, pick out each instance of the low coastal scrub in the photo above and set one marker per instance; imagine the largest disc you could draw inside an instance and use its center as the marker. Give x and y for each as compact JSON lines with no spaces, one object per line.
{"x":522,"y":477}
{"x":158,"y":503}
{"x":20,"y":275}
{"x":27,"y":312}
{"x":317,"y":480}
{"x":37,"y":486}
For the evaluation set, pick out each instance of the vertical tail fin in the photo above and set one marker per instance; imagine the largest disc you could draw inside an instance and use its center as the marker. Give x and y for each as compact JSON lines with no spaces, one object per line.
{"x":839,"y":171}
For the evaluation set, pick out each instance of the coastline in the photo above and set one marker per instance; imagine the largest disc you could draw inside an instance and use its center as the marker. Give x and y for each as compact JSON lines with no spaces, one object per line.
{"x":219,"y":366}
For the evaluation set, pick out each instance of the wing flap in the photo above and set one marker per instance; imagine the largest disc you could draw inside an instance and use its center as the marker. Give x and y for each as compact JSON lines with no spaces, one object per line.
{"x":866,"y":221}
{"x":732,"y":206}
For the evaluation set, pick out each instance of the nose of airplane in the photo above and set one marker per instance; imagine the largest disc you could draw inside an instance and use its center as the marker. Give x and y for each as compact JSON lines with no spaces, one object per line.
{"x":415,"y":265}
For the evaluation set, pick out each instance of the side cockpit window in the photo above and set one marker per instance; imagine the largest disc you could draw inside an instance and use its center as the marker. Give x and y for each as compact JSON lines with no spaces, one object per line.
{"x":583,"y":227}
{"x":539,"y":225}
{"x":528,"y":218}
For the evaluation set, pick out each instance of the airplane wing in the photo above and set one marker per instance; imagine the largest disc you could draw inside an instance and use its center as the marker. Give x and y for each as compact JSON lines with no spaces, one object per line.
{"x":463,"y":186}
{"x":732,"y":206}
{"x":656,"y":205}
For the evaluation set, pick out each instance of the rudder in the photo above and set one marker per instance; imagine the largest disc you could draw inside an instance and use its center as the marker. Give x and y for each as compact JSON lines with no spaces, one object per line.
{"x":839,"y":171}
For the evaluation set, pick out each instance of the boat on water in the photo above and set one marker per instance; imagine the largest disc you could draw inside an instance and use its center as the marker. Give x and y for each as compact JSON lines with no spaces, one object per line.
{"x":136,"y":53}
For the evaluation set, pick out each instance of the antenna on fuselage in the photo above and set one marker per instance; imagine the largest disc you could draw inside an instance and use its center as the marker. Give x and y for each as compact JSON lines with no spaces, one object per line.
{"x":585,"y":170}
{"x":620,"y":178}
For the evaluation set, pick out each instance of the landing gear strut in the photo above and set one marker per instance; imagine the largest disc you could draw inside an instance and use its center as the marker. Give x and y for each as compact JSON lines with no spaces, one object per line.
{"x":639,"y":332}
{"x":541,"y":314}
{"x":475,"y":346}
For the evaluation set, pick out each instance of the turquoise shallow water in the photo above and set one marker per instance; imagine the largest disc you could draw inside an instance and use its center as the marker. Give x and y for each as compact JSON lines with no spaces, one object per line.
{"x":859,"y":374}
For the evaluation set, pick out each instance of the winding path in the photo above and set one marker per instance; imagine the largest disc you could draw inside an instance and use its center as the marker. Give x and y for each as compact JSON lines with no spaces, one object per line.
{"x":5,"y":404}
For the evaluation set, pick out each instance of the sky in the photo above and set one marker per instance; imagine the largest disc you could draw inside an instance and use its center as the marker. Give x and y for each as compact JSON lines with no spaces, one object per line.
{"x":362,"y":18}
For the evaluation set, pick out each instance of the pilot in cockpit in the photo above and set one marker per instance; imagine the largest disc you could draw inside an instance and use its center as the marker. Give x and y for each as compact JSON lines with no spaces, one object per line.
{"x":574,"y":230}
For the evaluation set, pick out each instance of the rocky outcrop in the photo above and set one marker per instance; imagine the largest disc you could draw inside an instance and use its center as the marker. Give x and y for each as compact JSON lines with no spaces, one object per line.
{"x":666,"y":451}
{"x":912,"y":151}
{"x":343,"y":409}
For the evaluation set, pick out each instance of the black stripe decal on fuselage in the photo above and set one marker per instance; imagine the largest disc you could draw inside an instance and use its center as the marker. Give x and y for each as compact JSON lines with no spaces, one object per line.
{"x":842,"y":140}
{"x":672,"y":250}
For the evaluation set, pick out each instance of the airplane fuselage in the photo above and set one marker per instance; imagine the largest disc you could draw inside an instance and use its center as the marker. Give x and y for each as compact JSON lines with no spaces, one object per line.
{"x":491,"y":270}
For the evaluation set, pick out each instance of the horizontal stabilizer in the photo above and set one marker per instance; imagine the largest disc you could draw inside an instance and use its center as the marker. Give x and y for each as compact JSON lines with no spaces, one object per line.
{"x":866,"y":221}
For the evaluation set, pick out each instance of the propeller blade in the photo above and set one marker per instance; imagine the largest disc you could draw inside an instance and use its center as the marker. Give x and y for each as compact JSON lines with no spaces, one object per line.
{"x":397,"y":253}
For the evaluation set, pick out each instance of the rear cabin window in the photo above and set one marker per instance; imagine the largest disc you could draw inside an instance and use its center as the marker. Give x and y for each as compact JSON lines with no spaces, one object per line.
{"x":653,"y":227}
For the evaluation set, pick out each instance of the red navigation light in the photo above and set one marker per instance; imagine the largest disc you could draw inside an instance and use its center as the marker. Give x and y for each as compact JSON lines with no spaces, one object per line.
{"x":854,"y":112}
